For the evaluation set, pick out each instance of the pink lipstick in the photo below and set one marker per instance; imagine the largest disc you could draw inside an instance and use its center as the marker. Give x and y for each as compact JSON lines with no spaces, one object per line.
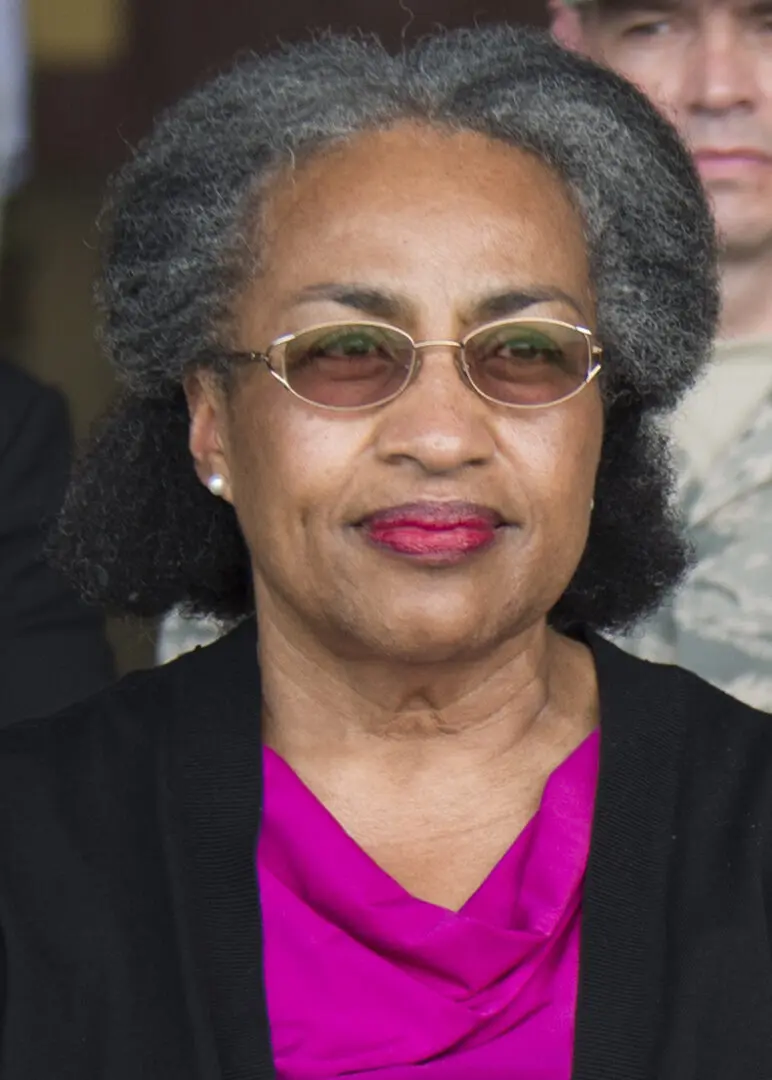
{"x":441,"y":533}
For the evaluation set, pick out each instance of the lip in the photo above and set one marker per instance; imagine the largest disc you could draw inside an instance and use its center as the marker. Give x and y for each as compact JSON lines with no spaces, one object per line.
{"x":731,"y":162}
{"x":438,"y":533}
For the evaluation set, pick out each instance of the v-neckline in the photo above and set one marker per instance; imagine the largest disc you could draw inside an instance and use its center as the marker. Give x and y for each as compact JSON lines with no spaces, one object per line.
{"x":362,"y":865}
{"x":210,"y":788}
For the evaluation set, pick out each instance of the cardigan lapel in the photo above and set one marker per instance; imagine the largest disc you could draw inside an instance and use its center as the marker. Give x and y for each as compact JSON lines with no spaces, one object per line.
{"x":619,"y":1023}
{"x":213,"y":774}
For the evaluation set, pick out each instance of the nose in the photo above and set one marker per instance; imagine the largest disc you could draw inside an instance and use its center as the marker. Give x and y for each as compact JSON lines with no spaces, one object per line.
{"x":720,"y":71}
{"x":439,"y":423}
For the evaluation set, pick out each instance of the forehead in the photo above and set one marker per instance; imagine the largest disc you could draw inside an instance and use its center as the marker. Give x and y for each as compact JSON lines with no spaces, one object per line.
{"x":412,"y":198}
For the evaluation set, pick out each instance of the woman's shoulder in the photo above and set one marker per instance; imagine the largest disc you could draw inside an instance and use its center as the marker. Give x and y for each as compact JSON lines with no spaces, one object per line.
{"x":82,"y":779}
{"x":100,"y":783}
{"x":671,"y":692}
{"x":686,"y":775}
{"x":118,"y":724}
{"x":716,"y":738}
{"x":133,"y":716}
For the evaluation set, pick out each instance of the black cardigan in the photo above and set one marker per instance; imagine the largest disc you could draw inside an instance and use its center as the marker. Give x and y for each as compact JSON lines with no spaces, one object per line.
{"x":130,"y":918}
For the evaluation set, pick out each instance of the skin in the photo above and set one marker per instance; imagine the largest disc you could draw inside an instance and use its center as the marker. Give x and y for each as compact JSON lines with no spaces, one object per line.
{"x":425,"y":706}
{"x":707,"y":64}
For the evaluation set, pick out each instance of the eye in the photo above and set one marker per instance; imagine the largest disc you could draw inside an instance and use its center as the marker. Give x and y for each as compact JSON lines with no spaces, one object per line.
{"x":531,"y":354}
{"x":347,"y":343}
{"x":524,"y":347}
{"x":647,"y":28}
{"x":342,"y":347}
{"x":645,"y":24}
{"x":347,"y":352}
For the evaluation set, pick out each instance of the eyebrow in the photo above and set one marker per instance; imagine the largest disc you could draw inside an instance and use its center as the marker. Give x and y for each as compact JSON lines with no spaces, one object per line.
{"x":375,"y":302}
{"x":516,"y":300}
{"x":385,"y":305}
{"x":627,"y":7}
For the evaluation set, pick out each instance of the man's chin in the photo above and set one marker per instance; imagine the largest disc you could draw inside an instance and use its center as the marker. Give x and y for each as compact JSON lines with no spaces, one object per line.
{"x":742,"y":233}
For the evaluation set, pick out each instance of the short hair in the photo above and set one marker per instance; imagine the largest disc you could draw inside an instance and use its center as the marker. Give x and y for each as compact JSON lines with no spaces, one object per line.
{"x":139,"y":533}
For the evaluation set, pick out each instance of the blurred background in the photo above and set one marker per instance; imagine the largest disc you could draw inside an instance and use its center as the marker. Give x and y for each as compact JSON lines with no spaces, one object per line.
{"x":98,"y":71}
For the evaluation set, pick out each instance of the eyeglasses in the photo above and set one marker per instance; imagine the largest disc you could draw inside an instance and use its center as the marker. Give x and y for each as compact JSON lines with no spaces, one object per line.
{"x":347,"y":366}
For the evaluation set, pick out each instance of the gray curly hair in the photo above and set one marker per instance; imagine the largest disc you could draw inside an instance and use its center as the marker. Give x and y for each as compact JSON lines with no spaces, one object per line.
{"x":177,"y":221}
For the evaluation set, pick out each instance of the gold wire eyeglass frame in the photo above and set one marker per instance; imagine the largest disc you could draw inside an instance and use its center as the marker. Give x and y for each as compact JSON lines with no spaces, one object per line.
{"x":274,"y":359}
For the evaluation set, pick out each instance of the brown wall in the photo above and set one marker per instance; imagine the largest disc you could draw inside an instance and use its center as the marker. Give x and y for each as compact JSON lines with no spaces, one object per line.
{"x":85,"y":117}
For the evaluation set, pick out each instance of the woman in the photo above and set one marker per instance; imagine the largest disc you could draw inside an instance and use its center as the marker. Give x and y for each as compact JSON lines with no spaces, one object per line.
{"x":394,"y":334}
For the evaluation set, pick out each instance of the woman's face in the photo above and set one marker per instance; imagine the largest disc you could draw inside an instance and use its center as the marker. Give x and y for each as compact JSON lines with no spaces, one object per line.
{"x":440,"y":523}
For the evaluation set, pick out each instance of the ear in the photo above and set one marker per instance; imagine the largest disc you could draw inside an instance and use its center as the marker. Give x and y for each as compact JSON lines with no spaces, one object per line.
{"x":566,"y":25}
{"x":207,"y":438}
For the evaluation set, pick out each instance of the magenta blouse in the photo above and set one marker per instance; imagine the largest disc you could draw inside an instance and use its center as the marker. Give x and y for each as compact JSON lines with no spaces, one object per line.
{"x":366,"y":982}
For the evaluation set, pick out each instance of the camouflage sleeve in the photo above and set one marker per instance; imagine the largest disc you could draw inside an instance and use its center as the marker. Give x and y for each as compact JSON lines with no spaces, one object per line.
{"x":723,"y":614}
{"x":654,"y":639}
{"x":719,"y":624}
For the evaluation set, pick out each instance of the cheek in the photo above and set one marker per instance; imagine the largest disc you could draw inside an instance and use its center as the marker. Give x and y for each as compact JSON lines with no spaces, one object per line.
{"x":556,"y":457}
{"x":654,"y":70}
{"x":292,"y":467}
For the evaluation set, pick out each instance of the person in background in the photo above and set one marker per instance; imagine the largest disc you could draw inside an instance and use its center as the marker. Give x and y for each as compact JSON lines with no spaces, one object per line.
{"x":53,"y":649}
{"x":707,"y":64}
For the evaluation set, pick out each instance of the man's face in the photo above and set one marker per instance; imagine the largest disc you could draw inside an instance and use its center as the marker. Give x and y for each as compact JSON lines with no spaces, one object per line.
{"x":707,"y":64}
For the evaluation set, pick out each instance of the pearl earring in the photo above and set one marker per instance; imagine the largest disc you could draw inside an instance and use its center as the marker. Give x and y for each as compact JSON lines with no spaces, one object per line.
{"x":216,"y":484}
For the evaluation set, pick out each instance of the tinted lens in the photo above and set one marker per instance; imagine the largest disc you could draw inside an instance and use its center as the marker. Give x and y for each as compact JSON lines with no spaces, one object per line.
{"x":528,"y":363}
{"x":348,"y":366}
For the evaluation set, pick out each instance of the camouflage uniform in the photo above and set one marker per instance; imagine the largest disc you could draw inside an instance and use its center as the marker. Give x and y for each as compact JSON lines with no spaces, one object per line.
{"x":719,"y":624}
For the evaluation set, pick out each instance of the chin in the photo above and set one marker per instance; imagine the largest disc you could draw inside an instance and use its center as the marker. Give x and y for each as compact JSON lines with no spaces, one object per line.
{"x":419,"y":636}
{"x":437,"y":648}
{"x":742,"y":228}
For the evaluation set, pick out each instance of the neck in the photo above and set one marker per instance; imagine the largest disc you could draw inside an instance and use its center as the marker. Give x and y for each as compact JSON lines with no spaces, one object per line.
{"x":318,"y":704}
{"x":746,"y":295}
